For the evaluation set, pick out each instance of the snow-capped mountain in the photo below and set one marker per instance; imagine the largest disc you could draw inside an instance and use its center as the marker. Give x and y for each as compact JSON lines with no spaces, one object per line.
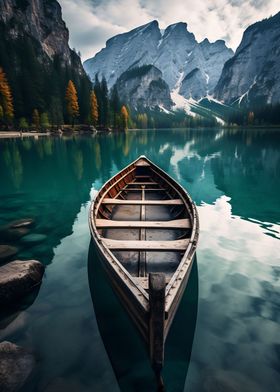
{"x":144,"y":87}
{"x":253,"y":74}
{"x":189,"y":68}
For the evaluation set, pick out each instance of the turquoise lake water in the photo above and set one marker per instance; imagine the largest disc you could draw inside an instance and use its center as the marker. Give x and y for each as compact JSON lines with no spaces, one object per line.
{"x":225,"y":336}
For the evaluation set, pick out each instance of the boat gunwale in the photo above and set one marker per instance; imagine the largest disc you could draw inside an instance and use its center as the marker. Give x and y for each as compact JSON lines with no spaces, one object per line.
{"x":181,"y":272}
{"x":144,"y":299}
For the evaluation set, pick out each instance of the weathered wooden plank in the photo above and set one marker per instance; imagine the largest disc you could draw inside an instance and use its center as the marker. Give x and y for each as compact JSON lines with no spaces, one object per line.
{"x":172,"y":224}
{"x":177,"y":245}
{"x":140,"y":189}
{"x":144,"y":281}
{"x":156,"y":324}
{"x":142,"y":236}
{"x":144,"y":202}
{"x":143,"y":183}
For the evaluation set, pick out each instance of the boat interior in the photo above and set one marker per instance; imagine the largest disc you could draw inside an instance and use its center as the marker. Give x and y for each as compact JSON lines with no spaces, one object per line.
{"x":143,"y":220}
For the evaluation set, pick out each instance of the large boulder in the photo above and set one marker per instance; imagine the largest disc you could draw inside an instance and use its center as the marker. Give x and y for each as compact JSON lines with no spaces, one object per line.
{"x":16,"y":364}
{"x":17,"y":278}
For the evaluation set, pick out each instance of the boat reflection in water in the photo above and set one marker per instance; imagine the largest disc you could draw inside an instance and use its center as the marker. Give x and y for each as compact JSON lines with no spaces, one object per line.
{"x":126,"y":349}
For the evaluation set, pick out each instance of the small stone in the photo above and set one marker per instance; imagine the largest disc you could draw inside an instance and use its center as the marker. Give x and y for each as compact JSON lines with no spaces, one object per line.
{"x":10,"y":234}
{"x":27,"y":222}
{"x":7,"y":252}
{"x":34,"y":238}
{"x":16,"y":364}
{"x":17,"y":278}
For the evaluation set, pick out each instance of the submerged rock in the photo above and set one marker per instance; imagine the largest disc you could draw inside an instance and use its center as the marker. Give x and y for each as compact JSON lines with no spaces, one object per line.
{"x":12,"y":234}
{"x":27,"y":222}
{"x":16,"y":229}
{"x":18,"y":278}
{"x":34,"y":238}
{"x":16,"y":364}
{"x":7,"y":252}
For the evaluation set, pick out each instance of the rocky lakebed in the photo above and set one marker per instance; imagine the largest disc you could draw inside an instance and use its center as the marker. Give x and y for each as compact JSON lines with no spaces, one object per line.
{"x":18,"y":278}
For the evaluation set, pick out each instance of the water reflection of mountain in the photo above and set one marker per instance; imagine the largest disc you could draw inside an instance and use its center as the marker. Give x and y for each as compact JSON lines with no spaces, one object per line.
{"x":243,"y":165}
{"x":209,"y":163}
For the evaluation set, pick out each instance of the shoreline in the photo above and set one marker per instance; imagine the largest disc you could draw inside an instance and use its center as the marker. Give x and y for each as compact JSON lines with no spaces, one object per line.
{"x":36,"y":135}
{"x":16,"y":134}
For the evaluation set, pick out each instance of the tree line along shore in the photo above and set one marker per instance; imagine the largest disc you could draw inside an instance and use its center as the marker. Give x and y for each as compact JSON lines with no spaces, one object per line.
{"x":105,"y":110}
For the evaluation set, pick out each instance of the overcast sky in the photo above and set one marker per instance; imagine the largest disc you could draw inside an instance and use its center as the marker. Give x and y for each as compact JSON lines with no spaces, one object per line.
{"x":92,"y":22}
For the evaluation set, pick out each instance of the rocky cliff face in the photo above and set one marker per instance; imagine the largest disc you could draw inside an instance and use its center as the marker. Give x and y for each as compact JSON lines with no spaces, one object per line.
{"x":41,"y":20}
{"x":253,"y":74}
{"x":144,"y":87}
{"x":204,"y":68}
{"x":124,"y":51}
{"x":35,"y":55}
{"x":175,"y":52}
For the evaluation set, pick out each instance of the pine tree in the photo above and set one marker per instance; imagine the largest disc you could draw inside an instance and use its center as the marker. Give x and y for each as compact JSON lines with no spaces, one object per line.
{"x":105,"y":103}
{"x":115,"y":104}
{"x":93,"y":108}
{"x":72,"y":102}
{"x":124,"y":115}
{"x":44,"y":120}
{"x":36,"y":119}
{"x":23,"y":124}
{"x":6,"y":99}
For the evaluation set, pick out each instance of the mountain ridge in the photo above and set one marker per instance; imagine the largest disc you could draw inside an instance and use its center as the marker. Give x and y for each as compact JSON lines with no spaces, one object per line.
{"x":170,"y":51}
{"x":252,"y":75}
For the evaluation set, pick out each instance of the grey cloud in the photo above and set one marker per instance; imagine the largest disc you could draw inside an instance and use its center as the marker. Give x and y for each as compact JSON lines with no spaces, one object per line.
{"x":258,"y":4}
{"x":92,"y":22}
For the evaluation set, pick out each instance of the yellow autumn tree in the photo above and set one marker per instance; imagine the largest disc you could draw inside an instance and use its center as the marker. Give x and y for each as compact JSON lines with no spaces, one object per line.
{"x":124,"y":115}
{"x":93,"y":108}
{"x":72,"y":104}
{"x":6,"y":99}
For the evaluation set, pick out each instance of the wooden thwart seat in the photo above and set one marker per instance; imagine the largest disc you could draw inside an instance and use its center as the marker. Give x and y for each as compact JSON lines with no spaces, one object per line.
{"x":143,"y":202}
{"x":172,"y":224}
{"x":177,"y":245}
{"x":140,"y":189}
{"x":143,"y":183}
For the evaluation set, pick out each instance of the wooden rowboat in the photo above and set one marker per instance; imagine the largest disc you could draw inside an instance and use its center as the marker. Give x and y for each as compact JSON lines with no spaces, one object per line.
{"x":146,"y":228}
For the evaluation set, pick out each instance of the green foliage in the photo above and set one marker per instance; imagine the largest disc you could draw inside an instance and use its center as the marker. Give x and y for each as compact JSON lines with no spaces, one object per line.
{"x":44,"y":120}
{"x":22,"y":4}
{"x":115,"y":105}
{"x":36,"y":119}
{"x":255,"y":115}
{"x":23,"y":124}
{"x":38,"y":82}
{"x":102,"y":96}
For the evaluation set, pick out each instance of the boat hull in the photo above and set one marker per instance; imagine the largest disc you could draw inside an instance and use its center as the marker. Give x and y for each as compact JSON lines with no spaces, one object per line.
{"x":145,"y":228}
